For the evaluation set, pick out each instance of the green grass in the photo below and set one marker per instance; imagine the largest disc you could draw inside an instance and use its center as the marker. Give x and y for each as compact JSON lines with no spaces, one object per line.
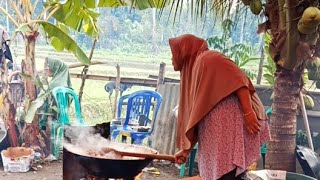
{"x":96,"y":105}
{"x":117,"y":55}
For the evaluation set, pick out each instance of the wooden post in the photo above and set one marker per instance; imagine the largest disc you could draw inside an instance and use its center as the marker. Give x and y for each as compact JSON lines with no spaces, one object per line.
{"x":259,"y":77}
{"x":117,"y":91}
{"x":161,"y":74}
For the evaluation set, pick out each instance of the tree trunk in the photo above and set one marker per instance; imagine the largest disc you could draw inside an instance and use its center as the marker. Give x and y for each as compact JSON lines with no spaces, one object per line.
{"x":281,"y":149}
{"x":85,"y":71}
{"x":286,"y":54}
{"x":10,"y":115}
{"x":31,"y":136}
{"x":29,"y":66}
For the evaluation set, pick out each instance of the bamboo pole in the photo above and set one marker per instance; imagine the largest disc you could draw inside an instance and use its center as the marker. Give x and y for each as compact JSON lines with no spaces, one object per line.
{"x":306,"y":122}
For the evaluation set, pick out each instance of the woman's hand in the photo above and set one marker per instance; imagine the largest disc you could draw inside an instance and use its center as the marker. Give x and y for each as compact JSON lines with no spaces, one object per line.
{"x":250,"y":118}
{"x":251,"y":122}
{"x":181,"y":156}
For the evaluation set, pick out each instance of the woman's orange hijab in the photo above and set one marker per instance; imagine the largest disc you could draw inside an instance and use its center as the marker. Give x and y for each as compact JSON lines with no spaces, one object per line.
{"x":206,"y":77}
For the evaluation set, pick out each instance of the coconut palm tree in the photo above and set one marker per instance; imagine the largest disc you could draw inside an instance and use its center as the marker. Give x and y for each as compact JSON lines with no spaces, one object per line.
{"x":293,"y":28}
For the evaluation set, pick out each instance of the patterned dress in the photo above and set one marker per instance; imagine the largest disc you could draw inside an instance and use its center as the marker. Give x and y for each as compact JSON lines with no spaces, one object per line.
{"x":224,"y":143}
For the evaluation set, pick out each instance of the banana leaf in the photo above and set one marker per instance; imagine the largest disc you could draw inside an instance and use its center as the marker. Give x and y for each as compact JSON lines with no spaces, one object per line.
{"x":59,"y":39}
{"x":78,"y":15}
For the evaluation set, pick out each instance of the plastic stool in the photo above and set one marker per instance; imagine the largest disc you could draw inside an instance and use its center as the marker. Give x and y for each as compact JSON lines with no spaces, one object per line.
{"x":190,"y":163}
{"x":263,"y":151}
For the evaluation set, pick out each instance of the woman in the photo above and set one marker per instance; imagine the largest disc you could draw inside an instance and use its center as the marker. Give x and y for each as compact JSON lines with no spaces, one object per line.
{"x":59,"y":73}
{"x":218,"y":108}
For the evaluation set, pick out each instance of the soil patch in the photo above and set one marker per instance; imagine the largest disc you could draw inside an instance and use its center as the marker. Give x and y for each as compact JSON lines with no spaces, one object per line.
{"x":53,"y":171}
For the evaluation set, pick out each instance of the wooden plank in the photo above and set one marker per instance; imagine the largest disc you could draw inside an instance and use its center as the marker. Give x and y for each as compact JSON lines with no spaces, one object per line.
{"x":125,"y":80}
{"x":76,"y":65}
{"x":166,"y":80}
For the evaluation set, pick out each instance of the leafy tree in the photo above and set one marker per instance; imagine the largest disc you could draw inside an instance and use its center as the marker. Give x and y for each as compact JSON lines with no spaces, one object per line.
{"x":30,"y":21}
{"x":240,"y":53}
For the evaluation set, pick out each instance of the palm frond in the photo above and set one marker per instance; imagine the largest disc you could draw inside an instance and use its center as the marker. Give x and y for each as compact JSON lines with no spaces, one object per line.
{"x":17,"y":11}
{"x":223,"y":8}
{"x":198,"y":8}
{"x":9,"y":16}
{"x":249,"y":73}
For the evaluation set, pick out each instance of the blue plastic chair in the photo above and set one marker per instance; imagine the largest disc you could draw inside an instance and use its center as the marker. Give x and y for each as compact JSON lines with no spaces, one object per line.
{"x":63,"y":96}
{"x":139,"y":105}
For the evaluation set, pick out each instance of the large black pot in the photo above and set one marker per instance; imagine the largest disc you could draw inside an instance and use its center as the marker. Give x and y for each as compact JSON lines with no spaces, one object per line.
{"x":77,"y":166}
{"x":107,"y":168}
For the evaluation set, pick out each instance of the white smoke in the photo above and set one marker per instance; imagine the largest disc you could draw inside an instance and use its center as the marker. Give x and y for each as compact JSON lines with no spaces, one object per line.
{"x":84,"y":141}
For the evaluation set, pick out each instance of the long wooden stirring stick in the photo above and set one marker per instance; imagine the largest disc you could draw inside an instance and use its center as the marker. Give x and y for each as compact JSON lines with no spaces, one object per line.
{"x":141,"y":155}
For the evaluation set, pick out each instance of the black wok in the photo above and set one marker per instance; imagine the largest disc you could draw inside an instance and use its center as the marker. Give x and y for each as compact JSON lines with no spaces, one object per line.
{"x":76,"y":166}
{"x":109,"y":168}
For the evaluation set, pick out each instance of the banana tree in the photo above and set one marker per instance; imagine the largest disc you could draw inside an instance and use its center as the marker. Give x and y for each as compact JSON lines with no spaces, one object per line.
{"x":70,"y":14}
{"x":293,"y":26}
{"x":241,"y":53}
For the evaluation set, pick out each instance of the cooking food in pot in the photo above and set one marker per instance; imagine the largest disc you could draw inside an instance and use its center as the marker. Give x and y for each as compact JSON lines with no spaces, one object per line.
{"x":110,"y":150}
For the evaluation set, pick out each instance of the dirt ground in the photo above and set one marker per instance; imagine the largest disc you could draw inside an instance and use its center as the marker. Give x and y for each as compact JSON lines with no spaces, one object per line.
{"x":53,"y":171}
{"x":167,"y":172}
{"x":48,"y":171}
